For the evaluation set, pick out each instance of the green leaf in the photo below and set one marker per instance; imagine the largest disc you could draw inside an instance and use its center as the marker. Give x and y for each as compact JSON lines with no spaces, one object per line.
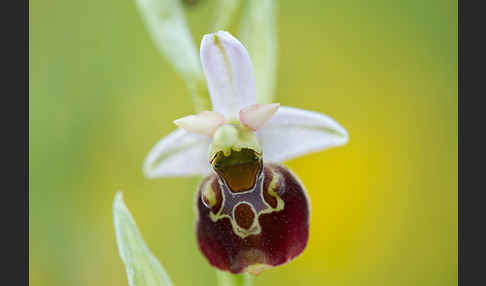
{"x":228,"y":279}
{"x":225,"y":12}
{"x":258,"y":34}
{"x":166,"y":23}
{"x":143,"y":268}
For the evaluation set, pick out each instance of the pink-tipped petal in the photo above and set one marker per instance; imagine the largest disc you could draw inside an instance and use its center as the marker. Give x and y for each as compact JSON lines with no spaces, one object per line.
{"x":204,"y":123}
{"x":229,"y":73}
{"x":255,"y":116}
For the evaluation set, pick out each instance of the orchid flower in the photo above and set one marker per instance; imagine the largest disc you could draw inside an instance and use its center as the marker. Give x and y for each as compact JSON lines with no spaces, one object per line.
{"x":282,"y":132}
{"x":253,"y":213}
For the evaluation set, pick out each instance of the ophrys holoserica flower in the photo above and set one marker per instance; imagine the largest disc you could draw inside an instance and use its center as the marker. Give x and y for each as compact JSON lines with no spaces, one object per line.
{"x":253,"y":213}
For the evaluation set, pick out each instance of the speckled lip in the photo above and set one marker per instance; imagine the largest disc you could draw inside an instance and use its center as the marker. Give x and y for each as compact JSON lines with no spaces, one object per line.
{"x":284,"y":231}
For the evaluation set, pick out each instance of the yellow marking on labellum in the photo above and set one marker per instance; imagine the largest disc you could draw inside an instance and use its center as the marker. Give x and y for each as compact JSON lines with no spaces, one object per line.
{"x":273,"y":187}
{"x":255,"y":228}
{"x":210,"y":195}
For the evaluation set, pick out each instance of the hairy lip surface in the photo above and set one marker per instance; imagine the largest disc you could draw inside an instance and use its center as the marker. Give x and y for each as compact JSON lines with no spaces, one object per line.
{"x":283,"y":236}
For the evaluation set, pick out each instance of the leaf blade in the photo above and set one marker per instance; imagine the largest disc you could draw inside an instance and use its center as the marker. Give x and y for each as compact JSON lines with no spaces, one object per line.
{"x":167,"y":26}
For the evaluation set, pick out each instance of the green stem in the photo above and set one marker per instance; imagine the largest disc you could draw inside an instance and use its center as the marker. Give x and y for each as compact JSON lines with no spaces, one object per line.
{"x":258,"y":32}
{"x":228,"y":279}
{"x":225,"y":12}
{"x":168,"y":28}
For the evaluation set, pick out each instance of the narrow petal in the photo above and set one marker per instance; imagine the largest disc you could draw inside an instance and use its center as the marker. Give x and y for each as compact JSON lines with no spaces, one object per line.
{"x":293,"y":132}
{"x":229,"y":73}
{"x":255,"y":116}
{"x":204,"y":123}
{"x":179,"y":154}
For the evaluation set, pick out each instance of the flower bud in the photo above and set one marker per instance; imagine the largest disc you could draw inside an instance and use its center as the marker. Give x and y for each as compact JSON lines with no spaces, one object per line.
{"x":251,"y":216}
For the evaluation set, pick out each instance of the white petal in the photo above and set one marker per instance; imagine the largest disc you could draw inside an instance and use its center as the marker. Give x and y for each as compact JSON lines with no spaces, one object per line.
{"x":255,"y":116}
{"x":293,"y":132}
{"x":179,"y":154}
{"x":229,"y":73}
{"x":204,"y":123}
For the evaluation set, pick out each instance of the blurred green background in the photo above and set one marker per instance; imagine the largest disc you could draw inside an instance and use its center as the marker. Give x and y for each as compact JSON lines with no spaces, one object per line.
{"x":384,"y":207}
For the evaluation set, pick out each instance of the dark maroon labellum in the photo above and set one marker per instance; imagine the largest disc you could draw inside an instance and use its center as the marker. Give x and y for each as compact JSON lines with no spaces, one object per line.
{"x":251,"y":230}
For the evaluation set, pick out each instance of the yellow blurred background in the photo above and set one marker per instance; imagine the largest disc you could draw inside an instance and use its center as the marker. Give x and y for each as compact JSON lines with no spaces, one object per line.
{"x":384,"y":206}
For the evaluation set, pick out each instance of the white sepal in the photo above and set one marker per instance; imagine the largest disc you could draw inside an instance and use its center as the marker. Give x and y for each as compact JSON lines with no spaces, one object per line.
{"x":229,"y":73}
{"x":293,"y":132}
{"x":179,"y":154}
